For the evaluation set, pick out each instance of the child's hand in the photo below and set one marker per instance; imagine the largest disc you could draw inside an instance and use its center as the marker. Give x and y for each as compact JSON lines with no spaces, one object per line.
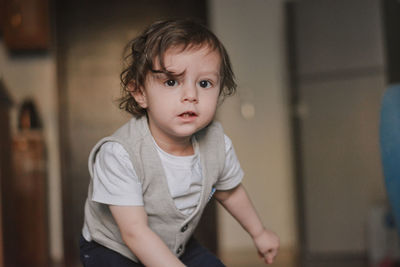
{"x":267,"y":244}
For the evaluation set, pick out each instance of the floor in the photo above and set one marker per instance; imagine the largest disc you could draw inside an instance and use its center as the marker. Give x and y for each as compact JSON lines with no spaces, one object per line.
{"x":250,"y":259}
{"x":285,"y":259}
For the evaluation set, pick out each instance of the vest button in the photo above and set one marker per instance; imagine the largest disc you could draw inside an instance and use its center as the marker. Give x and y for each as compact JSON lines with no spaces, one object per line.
{"x":184,"y":228}
{"x":179,"y":250}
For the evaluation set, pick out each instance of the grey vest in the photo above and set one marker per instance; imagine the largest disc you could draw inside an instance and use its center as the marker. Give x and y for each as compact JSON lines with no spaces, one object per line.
{"x":171,"y":225}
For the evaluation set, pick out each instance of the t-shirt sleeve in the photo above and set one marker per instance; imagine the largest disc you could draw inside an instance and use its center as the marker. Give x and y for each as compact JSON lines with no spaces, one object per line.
{"x":232,"y":173}
{"x":114,"y":179}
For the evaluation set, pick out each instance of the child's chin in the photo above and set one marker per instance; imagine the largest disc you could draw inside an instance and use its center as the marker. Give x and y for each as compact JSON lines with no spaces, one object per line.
{"x":188,"y":130}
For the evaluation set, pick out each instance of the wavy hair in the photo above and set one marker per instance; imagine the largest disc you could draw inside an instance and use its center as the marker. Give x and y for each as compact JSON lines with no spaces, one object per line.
{"x":151,"y":45}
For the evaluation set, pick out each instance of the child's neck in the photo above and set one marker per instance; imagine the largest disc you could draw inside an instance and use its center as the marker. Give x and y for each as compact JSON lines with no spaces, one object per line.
{"x":176,"y":148}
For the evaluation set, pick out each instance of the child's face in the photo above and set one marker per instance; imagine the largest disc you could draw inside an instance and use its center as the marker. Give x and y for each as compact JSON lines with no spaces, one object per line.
{"x":179,"y":106}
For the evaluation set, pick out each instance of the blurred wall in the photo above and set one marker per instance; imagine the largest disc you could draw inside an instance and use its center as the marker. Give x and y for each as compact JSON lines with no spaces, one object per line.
{"x":340,"y":81}
{"x":254,"y":35}
{"x":34,"y":76}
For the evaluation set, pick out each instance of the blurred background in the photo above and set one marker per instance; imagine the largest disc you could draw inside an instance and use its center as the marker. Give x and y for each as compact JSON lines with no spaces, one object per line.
{"x":304,"y":122}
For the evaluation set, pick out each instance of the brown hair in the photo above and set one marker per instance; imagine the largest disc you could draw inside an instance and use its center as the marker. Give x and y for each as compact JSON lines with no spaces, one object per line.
{"x":152,"y":44}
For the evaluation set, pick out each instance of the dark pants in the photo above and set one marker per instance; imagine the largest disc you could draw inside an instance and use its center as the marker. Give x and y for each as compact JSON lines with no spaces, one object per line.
{"x":93,"y":254}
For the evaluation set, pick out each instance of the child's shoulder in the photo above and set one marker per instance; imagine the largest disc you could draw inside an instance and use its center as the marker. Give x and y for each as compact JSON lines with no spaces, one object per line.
{"x":133,"y":129}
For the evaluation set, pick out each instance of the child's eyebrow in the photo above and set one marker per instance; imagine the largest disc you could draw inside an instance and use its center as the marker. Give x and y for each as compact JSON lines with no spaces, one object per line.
{"x":211,"y":73}
{"x":167,"y":74}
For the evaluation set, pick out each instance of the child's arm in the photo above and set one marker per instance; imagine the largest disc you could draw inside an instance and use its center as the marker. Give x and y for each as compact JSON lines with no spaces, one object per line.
{"x":141,"y":240}
{"x":238,"y":204}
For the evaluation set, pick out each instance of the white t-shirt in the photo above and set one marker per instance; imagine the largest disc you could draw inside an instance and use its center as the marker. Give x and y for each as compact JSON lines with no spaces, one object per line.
{"x":115,"y":181}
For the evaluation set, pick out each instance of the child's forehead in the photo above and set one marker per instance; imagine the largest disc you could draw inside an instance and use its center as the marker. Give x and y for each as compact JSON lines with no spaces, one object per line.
{"x":164,"y":60}
{"x":187,"y":49}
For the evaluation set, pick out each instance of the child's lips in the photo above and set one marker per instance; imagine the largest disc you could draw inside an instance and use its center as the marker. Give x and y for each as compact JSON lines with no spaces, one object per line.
{"x":188,"y":114}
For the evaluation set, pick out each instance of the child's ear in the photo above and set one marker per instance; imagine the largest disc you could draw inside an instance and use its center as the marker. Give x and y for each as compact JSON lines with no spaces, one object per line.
{"x":138,"y":94}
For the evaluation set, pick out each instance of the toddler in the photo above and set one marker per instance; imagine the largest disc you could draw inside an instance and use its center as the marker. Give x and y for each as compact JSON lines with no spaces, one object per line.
{"x":153,"y":177}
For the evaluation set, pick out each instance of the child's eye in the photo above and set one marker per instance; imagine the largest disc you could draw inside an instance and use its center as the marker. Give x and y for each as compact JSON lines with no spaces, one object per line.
{"x":205,"y":84}
{"x":171,"y":83}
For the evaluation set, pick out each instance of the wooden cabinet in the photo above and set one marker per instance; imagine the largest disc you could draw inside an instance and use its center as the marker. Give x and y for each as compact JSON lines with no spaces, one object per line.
{"x":24,"y":240}
{"x":26,"y":24}
{"x":29,"y":196}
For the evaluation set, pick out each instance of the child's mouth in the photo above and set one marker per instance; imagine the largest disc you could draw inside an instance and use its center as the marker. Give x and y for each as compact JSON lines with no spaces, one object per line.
{"x":188,"y":114}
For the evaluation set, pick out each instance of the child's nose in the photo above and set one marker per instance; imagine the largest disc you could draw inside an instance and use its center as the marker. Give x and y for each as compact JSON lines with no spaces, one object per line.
{"x":190,"y":94}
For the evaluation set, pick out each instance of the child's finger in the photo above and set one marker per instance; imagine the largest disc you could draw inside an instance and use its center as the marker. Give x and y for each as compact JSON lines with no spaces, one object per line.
{"x":269,"y":256}
{"x":267,"y":259}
